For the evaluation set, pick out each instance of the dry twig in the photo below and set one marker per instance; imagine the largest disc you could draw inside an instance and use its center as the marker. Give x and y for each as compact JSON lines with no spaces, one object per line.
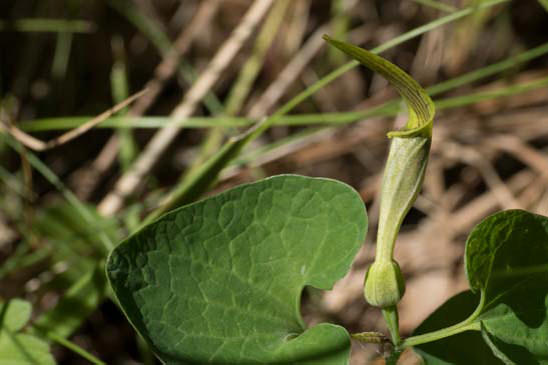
{"x":39,"y":145}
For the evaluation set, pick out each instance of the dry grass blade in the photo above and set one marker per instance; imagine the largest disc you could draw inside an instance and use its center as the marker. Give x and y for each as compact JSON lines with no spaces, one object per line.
{"x":38,"y":145}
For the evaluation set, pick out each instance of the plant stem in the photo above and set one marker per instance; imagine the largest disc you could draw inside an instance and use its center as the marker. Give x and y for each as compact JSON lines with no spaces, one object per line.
{"x":390,"y":315}
{"x":48,"y":25}
{"x":75,"y":348}
{"x":392,"y":359}
{"x":438,"y":335}
{"x":468,"y":324}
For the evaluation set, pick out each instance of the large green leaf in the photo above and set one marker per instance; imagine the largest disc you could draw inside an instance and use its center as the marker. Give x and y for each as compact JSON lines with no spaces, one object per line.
{"x":507,"y":262}
{"x":219,"y":281}
{"x":17,"y":348}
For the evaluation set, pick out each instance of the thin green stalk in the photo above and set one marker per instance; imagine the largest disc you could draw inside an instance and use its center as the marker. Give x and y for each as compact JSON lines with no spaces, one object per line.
{"x":437,"y":5}
{"x":339,"y":29}
{"x":75,"y":348}
{"x":459,"y":101}
{"x":292,"y":139}
{"x":488,"y":70}
{"x":390,"y":108}
{"x":147,"y":25}
{"x":47,"y":25}
{"x":468,"y":324}
{"x":391,"y":318}
{"x":62,"y":55}
{"x":393,"y":357}
{"x":120,"y":92}
{"x":436,"y":23}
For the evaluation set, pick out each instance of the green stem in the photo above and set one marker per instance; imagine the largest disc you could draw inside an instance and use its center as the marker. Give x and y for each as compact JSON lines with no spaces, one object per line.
{"x":468,"y":324}
{"x":438,"y":335}
{"x":75,"y":348}
{"x":48,"y":25}
{"x":390,"y":315}
{"x":393,"y":358}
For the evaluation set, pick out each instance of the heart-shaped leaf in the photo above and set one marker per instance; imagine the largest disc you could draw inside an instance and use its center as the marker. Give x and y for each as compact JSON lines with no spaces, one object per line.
{"x":219,"y":281}
{"x":507,"y":262}
{"x":17,"y":348}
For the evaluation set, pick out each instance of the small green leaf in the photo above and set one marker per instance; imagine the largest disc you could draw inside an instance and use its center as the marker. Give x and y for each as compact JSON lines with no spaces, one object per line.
{"x":219,"y":281}
{"x":17,"y":348}
{"x":17,"y":314}
{"x":507,"y":262}
{"x":420,"y":106}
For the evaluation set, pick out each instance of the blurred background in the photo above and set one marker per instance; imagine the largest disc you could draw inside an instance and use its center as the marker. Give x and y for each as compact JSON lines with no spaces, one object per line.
{"x":214,"y":67}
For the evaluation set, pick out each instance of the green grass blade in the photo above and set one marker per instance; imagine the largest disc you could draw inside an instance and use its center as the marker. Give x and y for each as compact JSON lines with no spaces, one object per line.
{"x":385,"y":109}
{"x":390,"y":108}
{"x":490,"y":70}
{"x":459,"y":101}
{"x":120,"y":92}
{"x":47,"y":25}
{"x":339,"y":28}
{"x":437,"y":5}
{"x":76,"y":349}
{"x":62,"y":55}
{"x":435,"y":24}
